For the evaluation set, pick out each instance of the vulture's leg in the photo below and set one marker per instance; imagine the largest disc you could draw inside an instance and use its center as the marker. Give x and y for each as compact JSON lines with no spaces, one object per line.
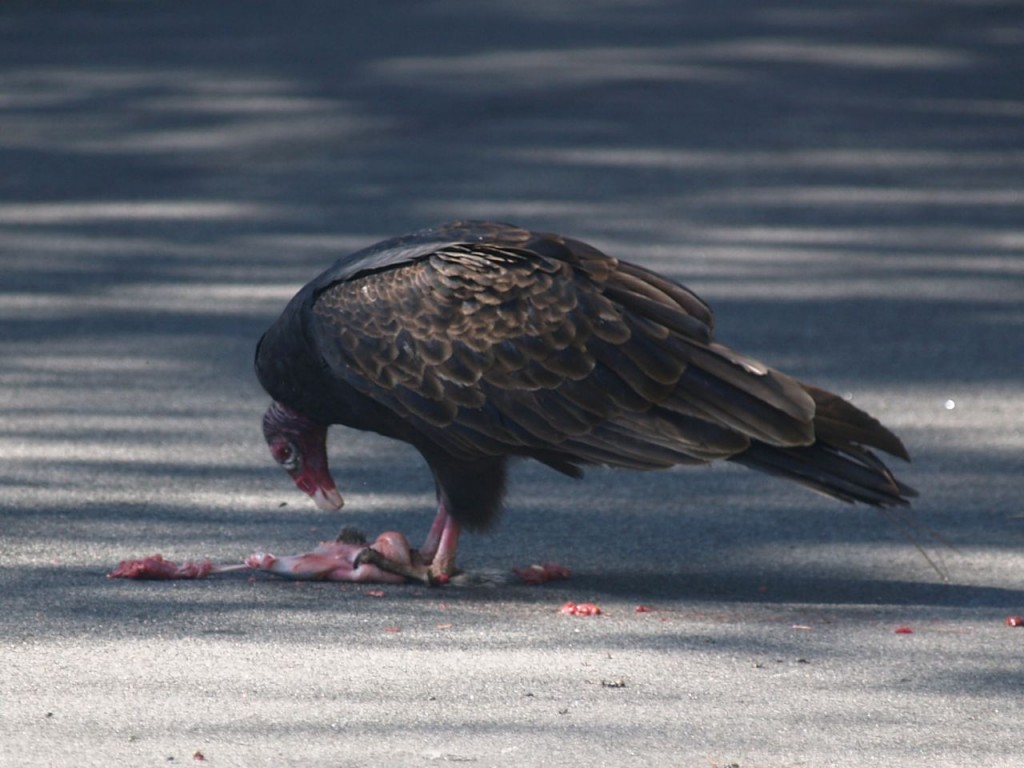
{"x":439,"y":548}
{"x":443,"y":564}
{"x":433,"y":540}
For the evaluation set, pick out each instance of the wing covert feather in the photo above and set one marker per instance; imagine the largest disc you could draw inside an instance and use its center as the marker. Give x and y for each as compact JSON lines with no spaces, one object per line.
{"x":520,"y":342}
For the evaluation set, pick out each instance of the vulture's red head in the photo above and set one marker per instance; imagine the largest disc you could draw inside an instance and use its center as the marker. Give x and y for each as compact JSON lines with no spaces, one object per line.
{"x":300,"y":446}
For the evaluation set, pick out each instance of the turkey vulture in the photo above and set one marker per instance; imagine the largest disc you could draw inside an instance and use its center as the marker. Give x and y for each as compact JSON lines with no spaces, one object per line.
{"x":476,"y":342}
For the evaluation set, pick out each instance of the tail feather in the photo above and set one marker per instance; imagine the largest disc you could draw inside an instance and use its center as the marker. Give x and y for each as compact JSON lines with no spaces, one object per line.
{"x":850,"y":474}
{"x":838,"y":422}
{"x":839,"y":463}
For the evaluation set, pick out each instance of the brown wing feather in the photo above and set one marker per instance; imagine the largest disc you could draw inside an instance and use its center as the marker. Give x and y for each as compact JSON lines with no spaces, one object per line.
{"x":531,"y":343}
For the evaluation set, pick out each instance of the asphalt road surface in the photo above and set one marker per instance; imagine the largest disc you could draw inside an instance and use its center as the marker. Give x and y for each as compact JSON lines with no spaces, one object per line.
{"x":842,"y":181}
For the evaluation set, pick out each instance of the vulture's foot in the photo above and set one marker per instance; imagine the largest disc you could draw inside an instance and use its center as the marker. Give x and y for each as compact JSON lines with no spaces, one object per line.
{"x":407,"y":569}
{"x":391,"y":556}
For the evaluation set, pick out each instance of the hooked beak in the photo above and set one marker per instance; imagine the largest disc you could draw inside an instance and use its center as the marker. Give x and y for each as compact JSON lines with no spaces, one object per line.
{"x":321,"y":489}
{"x":328,"y":499}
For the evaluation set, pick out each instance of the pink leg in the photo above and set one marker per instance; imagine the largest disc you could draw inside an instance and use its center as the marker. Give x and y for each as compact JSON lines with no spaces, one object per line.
{"x":444,"y":560}
{"x":439,"y":548}
{"x":433,"y":540}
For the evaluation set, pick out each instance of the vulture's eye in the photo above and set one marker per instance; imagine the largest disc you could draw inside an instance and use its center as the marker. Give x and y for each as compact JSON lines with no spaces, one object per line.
{"x":287,"y":455}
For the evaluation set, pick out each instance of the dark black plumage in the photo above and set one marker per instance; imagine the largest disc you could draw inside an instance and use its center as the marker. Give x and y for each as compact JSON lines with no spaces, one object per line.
{"x":477,"y":341}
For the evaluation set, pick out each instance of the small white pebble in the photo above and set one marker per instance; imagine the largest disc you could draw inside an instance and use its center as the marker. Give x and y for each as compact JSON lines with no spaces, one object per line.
{"x":950,"y":405}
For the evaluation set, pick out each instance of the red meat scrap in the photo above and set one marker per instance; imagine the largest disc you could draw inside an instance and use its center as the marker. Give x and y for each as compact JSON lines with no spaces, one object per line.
{"x":542,"y":573}
{"x":580,"y":609}
{"x":155,"y":567}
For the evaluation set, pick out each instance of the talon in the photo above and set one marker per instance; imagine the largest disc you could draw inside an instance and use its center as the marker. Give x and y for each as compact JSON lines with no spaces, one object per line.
{"x":375,"y":558}
{"x":365,"y":556}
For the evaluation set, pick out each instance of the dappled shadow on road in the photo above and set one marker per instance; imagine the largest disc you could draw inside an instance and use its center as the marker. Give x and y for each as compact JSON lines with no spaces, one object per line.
{"x":849,"y":202}
{"x":843,"y":183}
